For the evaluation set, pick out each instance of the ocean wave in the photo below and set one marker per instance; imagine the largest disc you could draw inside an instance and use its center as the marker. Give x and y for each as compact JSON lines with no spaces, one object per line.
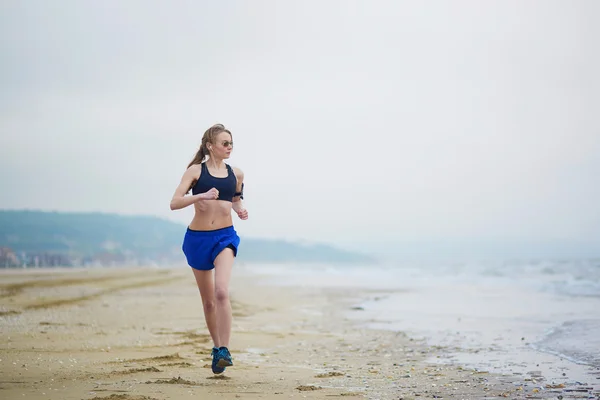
{"x":577,"y":341}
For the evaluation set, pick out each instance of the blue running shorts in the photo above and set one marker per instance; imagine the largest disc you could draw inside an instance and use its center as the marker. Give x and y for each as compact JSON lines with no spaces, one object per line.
{"x":202,"y":247}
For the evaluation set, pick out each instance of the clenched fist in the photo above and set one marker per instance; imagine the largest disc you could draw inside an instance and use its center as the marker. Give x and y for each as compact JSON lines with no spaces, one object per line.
{"x":212,"y":194}
{"x":242,"y":213}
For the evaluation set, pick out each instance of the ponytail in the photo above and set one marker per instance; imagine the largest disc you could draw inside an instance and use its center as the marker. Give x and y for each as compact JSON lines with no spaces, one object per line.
{"x":199,"y":157}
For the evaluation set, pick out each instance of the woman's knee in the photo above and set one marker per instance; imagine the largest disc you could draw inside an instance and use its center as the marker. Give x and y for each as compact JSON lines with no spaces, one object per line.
{"x":221,"y":294}
{"x":209,"y":305}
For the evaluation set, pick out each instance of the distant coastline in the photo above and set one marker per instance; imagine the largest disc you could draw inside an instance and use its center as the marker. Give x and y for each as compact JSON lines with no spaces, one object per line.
{"x":32,"y":238}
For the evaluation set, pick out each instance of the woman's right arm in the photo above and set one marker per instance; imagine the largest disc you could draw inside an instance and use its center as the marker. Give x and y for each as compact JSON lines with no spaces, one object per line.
{"x":180,"y":200}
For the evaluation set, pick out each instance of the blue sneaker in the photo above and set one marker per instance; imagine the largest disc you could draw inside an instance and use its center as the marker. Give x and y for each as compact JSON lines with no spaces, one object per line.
{"x":224,"y":358}
{"x":216,"y":369}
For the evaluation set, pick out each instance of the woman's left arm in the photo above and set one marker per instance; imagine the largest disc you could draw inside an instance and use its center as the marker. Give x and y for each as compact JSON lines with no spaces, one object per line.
{"x":238,"y":205}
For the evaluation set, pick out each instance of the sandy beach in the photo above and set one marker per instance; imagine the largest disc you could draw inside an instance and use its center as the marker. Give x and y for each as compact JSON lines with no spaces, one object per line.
{"x":139,"y":334}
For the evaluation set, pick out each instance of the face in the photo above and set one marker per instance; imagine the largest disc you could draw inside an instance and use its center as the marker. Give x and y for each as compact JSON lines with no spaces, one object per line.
{"x":222,"y":145}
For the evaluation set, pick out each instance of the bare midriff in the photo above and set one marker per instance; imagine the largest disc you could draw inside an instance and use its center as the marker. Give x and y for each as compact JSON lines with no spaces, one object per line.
{"x":211,"y":214}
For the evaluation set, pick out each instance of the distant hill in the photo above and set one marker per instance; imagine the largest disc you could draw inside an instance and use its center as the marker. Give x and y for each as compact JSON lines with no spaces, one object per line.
{"x":100,"y":237}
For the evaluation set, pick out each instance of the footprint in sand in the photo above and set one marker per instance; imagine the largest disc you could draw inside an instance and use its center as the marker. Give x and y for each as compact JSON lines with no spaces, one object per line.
{"x":219,"y":377}
{"x":136,"y":370}
{"x":170,"y":357}
{"x":180,"y":364}
{"x":305,"y":388}
{"x":124,"y":397}
{"x":9,"y":312}
{"x":193,"y":338}
{"x":174,"y":381}
{"x":329,"y":374}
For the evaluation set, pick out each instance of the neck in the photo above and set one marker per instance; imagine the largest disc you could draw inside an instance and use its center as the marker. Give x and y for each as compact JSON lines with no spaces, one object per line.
{"x":216,"y":163}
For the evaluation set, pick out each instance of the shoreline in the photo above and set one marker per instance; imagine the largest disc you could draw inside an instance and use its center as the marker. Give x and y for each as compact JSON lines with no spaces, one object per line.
{"x":139,"y":333}
{"x":517,"y":354}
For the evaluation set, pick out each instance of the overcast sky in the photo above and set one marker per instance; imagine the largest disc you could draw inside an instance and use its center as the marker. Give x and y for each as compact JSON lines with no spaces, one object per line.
{"x":353,"y":120}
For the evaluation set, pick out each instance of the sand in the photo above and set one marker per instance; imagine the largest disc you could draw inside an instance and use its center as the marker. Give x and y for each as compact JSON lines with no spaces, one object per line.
{"x":139,"y":334}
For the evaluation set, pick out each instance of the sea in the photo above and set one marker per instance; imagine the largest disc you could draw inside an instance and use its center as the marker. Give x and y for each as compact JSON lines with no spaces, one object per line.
{"x":539,"y":317}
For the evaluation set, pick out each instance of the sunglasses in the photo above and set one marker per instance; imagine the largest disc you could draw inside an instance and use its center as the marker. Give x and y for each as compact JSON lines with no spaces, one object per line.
{"x":227,"y":143}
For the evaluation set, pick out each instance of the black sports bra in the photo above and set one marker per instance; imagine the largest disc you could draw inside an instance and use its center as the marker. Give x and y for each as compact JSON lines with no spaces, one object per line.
{"x":226,"y":186}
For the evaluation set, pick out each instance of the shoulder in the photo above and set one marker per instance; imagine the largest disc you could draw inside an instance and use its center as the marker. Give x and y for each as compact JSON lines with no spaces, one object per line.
{"x":194,"y":170}
{"x":238,"y":172}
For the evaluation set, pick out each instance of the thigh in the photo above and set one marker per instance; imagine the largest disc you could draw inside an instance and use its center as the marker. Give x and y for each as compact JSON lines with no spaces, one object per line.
{"x":223,"y":267}
{"x":205,"y":282}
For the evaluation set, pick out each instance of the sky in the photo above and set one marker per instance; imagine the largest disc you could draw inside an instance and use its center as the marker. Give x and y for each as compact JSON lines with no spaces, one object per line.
{"x":354,"y":122}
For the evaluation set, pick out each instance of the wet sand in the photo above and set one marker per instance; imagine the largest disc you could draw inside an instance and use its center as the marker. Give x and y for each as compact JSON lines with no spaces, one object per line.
{"x":139,"y":334}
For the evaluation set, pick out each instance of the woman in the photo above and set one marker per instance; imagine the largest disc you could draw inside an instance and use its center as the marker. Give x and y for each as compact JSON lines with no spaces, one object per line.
{"x":210,"y":241}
